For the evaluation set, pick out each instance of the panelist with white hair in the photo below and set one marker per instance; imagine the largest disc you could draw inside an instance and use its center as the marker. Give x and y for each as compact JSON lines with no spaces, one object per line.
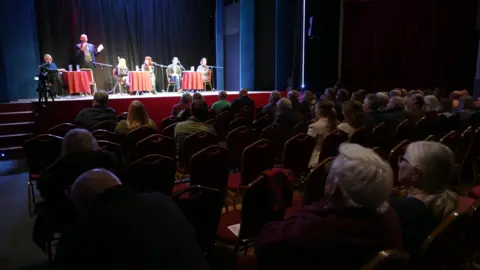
{"x":353,"y":218}
{"x":427,"y":169}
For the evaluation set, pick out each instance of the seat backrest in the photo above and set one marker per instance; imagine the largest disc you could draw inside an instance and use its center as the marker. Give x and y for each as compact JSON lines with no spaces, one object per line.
{"x":156,"y":144}
{"x":421,"y":129}
{"x":443,"y":246}
{"x":261,"y":123}
{"x":122,"y":116}
{"x":41,"y":151}
{"x":113,"y":148}
{"x":472,"y":231}
{"x":388,"y":260}
{"x":202,"y":206}
{"x":195,"y":142}
{"x":167,"y":121}
{"x":359,"y":137}
{"x":105,"y":135}
{"x":464,"y":146}
{"x":222,"y":124}
{"x":238,"y":122}
{"x":237,"y":140}
{"x":402,"y":131}
{"x":169,"y":131}
{"x":395,"y":153}
{"x":257,"y":157}
{"x":209,"y":168}
{"x":61,"y":129}
{"x":380,"y":137}
{"x":151,"y":173}
{"x":315,"y":182}
{"x":331,"y":143}
{"x":475,"y":145}
{"x":106,"y":125}
{"x":298,"y":152}
{"x":452,"y":140}
{"x":136,"y":135}
{"x":265,"y":200}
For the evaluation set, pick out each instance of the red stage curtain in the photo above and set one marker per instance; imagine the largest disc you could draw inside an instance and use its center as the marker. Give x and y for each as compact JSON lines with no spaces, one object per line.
{"x":409,"y":44}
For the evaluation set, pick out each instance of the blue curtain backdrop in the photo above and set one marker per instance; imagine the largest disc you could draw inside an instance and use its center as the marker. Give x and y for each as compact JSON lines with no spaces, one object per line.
{"x":131,"y":29}
{"x":18,"y":50}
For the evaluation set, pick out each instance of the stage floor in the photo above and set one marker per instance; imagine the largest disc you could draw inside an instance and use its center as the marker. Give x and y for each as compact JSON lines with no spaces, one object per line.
{"x":158,"y":105}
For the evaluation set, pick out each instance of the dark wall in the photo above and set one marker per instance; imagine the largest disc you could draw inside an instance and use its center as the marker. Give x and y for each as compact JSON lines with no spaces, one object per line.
{"x":232,"y":47}
{"x":265,"y":44}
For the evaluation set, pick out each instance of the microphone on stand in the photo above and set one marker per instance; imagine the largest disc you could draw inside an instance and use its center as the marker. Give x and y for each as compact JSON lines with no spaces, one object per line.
{"x":43,"y":65}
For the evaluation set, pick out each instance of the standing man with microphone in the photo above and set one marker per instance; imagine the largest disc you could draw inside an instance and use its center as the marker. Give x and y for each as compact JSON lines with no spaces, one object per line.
{"x":174,"y":72}
{"x":86,"y":52}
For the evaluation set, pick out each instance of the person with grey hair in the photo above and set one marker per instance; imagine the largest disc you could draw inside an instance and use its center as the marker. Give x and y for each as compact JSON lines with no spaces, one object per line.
{"x":183,"y":105}
{"x":427,"y":169}
{"x":120,"y":228}
{"x":293,"y":97}
{"x":354,"y":216}
{"x":222,"y":104}
{"x":271,"y":108}
{"x":80,"y":153}
{"x":432,"y":106}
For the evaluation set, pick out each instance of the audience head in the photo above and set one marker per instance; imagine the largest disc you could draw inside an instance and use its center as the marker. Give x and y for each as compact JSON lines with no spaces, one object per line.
{"x":396,"y":102}
{"x":199,"y":110}
{"x":362,"y":177}
{"x":358,"y":96}
{"x":395,"y":93}
{"x":383,"y":98}
{"x":308,"y":96}
{"x":415,"y":103}
{"x":404,"y":92}
{"x":77,"y":141}
{"x":431,"y":104}
{"x":137,"y":115}
{"x":353,"y":112}
{"x":222,"y":95}
{"x":466,"y":103}
{"x":325,"y":109}
{"x":283,"y":105}
{"x":100,"y":98}
{"x":371,"y":103}
{"x":243,"y":92}
{"x":186,"y":98}
{"x":342,"y":95}
{"x":275,"y":96}
{"x":430,"y":167}
{"x":89,"y":186}
{"x":197,"y":96}
{"x":329,"y":94}
{"x":414,"y":92}
{"x":293,"y":96}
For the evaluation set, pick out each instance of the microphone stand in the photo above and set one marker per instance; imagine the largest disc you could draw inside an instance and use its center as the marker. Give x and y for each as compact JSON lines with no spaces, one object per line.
{"x":163,"y":78}
{"x":101,"y":67}
{"x":214,"y":67}
{"x":102,"y":64}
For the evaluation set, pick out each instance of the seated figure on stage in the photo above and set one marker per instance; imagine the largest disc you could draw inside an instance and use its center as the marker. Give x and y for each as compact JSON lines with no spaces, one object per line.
{"x":52,"y":80}
{"x":121,"y":76}
{"x":204,"y":69}
{"x":174,"y":72}
{"x":148,"y":66}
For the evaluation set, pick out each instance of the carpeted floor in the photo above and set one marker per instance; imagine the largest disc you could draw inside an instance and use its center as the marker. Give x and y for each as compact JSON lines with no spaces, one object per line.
{"x":17,"y":250}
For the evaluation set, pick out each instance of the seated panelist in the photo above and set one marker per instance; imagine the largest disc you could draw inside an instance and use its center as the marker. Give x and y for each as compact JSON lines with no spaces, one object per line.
{"x":174,"y":71}
{"x":204,"y":69}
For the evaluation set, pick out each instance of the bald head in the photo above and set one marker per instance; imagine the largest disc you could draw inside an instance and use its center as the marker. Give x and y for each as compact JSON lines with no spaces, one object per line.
{"x":89,"y":186}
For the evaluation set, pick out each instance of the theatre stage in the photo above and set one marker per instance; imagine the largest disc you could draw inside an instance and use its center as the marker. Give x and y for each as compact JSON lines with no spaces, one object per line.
{"x":158,"y":106}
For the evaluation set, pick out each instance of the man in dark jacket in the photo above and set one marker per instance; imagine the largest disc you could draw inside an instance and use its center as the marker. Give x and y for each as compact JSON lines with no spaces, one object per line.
{"x":122,"y":229}
{"x":243,"y":101}
{"x":89,"y":117}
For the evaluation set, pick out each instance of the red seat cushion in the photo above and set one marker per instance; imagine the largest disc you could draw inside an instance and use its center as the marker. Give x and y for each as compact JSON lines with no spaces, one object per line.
{"x":464,"y":204}
{"x":224,"y":235}
{"x":180,"y":187}
{"x":234,"y":180}
{"x":476,"y":191}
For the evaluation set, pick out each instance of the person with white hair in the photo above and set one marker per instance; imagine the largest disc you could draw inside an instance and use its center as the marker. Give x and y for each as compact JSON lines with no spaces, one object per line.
{"x":287,"y":115}
{"x":271,"y":108}
{"x":119,"y":228}
{"x":353,"y":218}
{"x":427,"y":169}
{"x":80,"y":153}
{"x":432,"y":107}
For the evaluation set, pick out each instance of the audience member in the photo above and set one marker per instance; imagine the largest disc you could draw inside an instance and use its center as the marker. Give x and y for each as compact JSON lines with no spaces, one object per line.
{"x":439,"y":93}
{"x":395,"y":93}
{"x":372,"y":106}
{"x":80,"y":153}
{"x":427,"y":169}
{"x":383,"y":99}
{"x":293,"y":97}
{"x":271,"y":107}
{"x":329,"y":94}
{"x":243,"y":101}
{"x":359,"y":96}
{"x":137,"y":117}
{"x":415,"y":106}
{"x":432,"y":106}
{"x":307,"y":106}
{"x":287,"y":116}
{"x":183,"y":105}
{"x":198,"y":96}
{"x":342,"y":96}
{"x":222,"y":104}
{"x":354,"y":218}
{"x":466,"y":107}
{"x":326,"y":122}
{"x":123,"y":229}
{"x":194,"y":124}
{"x":395,"y":114}
{"x":99,"y":112}
{"x":354,"y":117}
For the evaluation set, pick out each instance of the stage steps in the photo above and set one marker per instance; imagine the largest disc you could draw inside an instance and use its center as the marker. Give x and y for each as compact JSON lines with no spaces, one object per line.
{"x":17,"y":124}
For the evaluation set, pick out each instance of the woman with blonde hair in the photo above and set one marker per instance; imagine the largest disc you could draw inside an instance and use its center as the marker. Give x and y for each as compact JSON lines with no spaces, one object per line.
{"x":121,"y":76}
{"x":427,"y":170}
{"x":137,"y":117}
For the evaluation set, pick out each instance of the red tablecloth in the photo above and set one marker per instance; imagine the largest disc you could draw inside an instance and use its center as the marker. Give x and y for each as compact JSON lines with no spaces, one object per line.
{"x":192,"y":80}
{"x":140,"y":81}
{"x":77,"y":81}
